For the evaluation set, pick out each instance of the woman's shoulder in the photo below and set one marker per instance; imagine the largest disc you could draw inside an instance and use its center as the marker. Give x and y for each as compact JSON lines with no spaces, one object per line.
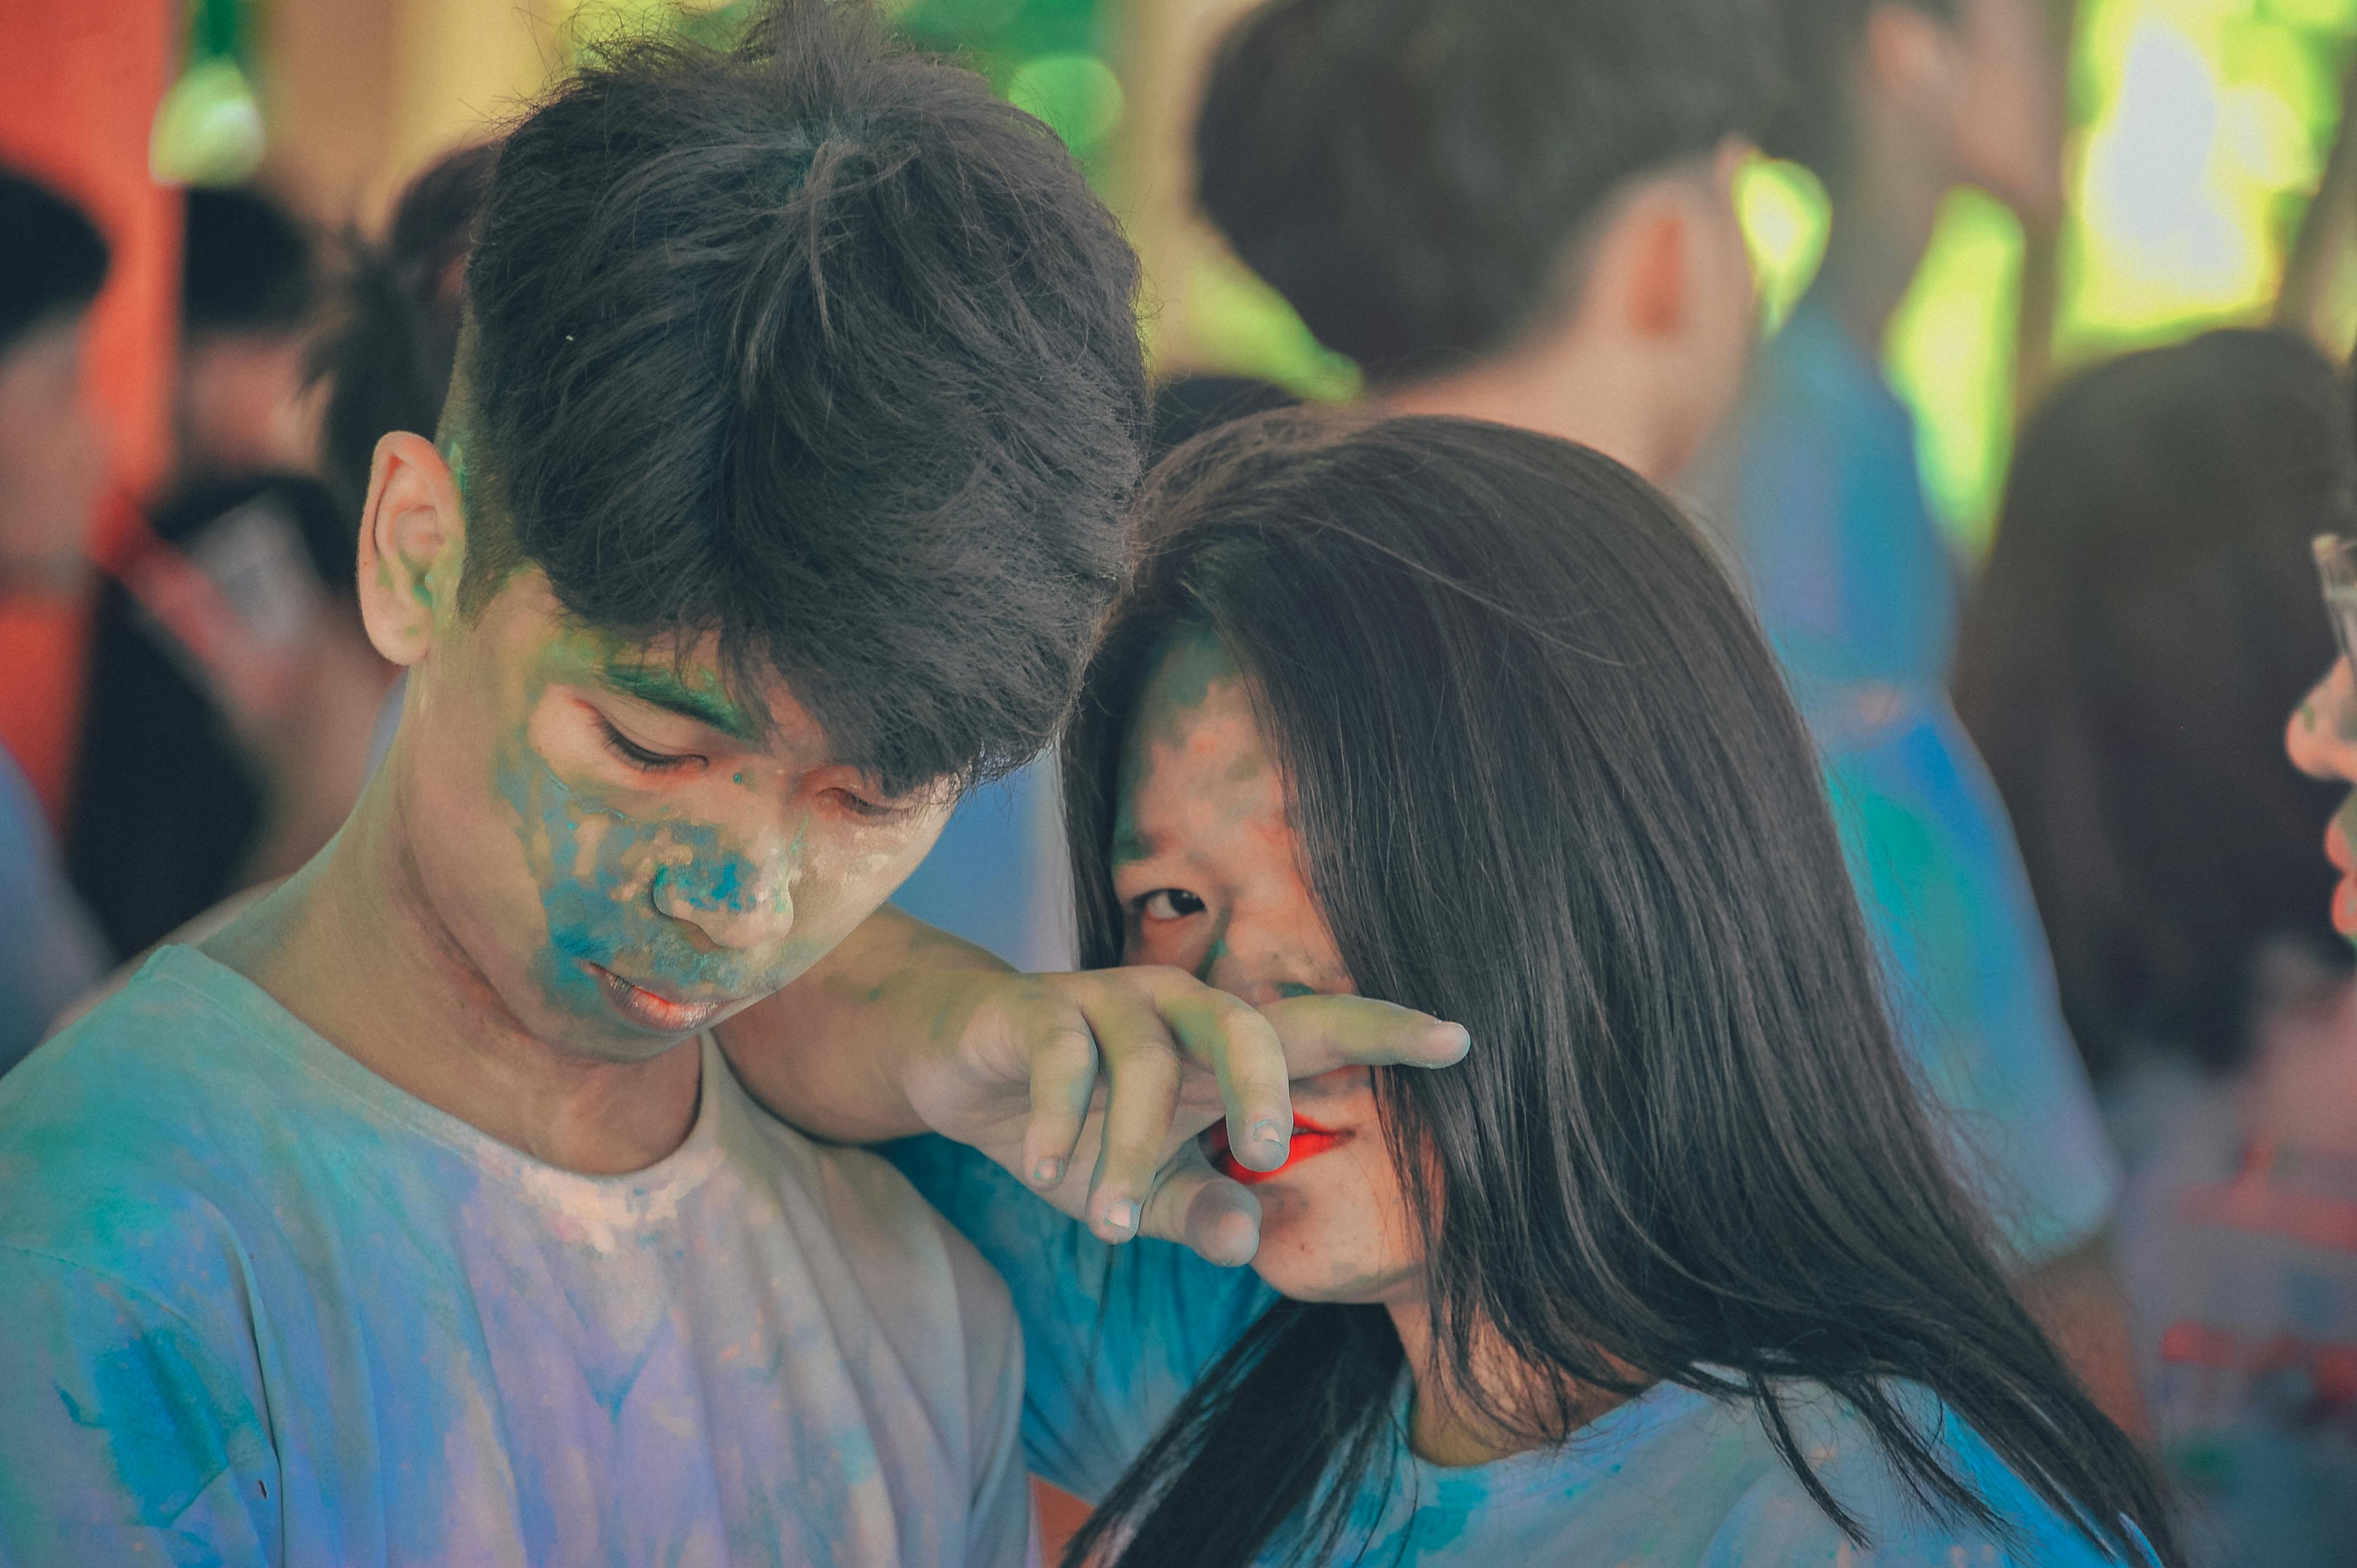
{"x":1777,"y":1521}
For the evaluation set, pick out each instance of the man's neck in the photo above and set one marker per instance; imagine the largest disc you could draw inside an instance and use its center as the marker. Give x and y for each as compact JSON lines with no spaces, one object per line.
{"x":352,"y":947}
{"x":1554,"y":394}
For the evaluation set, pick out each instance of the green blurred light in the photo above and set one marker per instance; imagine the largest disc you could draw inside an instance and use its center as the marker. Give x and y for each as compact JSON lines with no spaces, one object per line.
{"x":2318,"y":15}
{"x":1240,"y":325}
{"x":208,"y":130}
{"x":1950,"y":353}
{"x":1077,"y":94}
{"x":1785,"y":216}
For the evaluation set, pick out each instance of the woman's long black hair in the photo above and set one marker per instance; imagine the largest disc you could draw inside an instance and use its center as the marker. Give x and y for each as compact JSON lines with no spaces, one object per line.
{"x":1548,"y":784}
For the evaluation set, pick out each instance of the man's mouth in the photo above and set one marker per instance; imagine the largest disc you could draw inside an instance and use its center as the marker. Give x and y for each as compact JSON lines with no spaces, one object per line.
{"x":650,"y":1009}
{"x":1309,"y":1140}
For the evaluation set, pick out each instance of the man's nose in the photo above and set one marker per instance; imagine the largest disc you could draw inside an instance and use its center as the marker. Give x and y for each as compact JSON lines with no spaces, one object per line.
{"x":738,"y":900}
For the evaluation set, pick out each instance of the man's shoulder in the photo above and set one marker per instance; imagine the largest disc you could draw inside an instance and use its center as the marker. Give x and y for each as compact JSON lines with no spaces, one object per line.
{"x":117,"y":1138}
{"x":892,"y":1241}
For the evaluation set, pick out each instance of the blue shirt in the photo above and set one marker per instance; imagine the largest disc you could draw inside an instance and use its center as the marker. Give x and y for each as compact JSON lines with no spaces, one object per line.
{"x":1672,"y":1480}
{"x":1857,"y":593}
{"x":50,"y":951}
{"x":261,"y":1306}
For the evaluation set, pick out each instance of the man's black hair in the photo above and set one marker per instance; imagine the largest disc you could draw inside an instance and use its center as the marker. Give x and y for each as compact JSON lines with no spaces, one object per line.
{"x":387,"y":353}
{"x":816,"y":344}
{"x":1413,"y":175}
{"x":1822,"y":40}
{"x":246,"y":264}
{"x":53,"y":259}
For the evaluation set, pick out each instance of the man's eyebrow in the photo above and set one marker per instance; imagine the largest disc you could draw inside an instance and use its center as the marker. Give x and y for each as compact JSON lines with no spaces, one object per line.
{"x":664,"y":689}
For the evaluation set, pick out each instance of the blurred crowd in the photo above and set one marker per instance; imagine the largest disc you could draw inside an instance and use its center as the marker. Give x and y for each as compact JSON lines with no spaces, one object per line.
{"x":2060,"y":774}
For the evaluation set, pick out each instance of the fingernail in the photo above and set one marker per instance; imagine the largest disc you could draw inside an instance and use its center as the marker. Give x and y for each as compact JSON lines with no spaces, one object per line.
{"x":1265,"y":1132}
{"x":1045,"y":1173}
{"x":1456,"y":1039}
{"x":1121,"y":1216}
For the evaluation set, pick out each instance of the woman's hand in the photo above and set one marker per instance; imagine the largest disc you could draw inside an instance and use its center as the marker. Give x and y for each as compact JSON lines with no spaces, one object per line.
{"x":1088,"y":1087}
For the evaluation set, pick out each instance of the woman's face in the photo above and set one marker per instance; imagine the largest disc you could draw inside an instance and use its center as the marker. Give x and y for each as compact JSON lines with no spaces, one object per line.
{"x":1208,"y":875}
{"x":2322,"y":739}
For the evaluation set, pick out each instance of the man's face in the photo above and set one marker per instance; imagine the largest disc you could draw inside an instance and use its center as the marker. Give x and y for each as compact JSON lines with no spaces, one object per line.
{"x":53,"y":460}
{"x":2322,"y":740}
{"x":613,"y":850}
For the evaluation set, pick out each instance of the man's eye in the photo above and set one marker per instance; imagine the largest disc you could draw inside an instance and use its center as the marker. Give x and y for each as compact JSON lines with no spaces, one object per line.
{"x":859,"y":805}
{"x":1168,"y":904}
{"x":638,"y":756}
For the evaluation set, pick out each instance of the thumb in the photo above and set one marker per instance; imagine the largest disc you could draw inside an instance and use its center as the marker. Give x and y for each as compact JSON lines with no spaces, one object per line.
{"x":1202,"y":1210}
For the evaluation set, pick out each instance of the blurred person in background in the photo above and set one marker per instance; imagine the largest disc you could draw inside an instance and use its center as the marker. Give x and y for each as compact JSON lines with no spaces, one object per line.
{"x":1523,"y":212}
{"x":249,"y":289}
{"x":1893,"y":103}
{"x":52,"y":471}
{"x":1519,"y":211}
{"x":231,"y":689}
{"x":2148,"y":613}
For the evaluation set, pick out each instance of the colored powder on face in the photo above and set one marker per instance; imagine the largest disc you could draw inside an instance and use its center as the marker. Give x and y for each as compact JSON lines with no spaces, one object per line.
{"x":1290,"y":989}
{"x":600,"y":872}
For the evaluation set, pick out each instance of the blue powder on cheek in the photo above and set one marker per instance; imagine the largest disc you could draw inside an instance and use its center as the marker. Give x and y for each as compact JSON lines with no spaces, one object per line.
{"x":604,"y":912}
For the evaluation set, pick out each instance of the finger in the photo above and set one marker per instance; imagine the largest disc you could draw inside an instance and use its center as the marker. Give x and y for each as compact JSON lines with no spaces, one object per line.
{"x":1196,"y":1207}
{"x":1322,"y":1033}
{"x":1245,"y":1054}
{"x":1064,"y":1078}
{"x":1140,"y":1062}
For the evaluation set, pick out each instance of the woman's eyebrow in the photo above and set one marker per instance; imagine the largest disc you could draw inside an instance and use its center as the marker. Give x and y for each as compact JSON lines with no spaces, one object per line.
{"x":1128,"y":847}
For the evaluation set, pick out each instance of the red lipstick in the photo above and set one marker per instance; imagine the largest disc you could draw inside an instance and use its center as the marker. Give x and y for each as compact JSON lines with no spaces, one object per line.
{"x":1308,"y":1140}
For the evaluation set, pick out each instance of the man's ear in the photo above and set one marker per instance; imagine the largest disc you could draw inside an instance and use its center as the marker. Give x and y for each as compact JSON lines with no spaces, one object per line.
{"x":413,"y":547}
{"x":1659,"y":262}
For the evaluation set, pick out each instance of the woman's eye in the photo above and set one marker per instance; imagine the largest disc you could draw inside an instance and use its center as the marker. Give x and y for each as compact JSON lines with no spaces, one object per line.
{"x":638,"y":756}
{"x":1168,"y":904}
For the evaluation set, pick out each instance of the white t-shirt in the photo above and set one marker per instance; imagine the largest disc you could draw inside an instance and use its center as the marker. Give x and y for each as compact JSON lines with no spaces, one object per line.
{"x":263,"y":1307}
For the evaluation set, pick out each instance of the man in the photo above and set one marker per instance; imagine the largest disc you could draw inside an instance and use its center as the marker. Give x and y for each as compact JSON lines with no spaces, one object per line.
{"x":52,"y":469}
{"x":414,"y":1217}
{"x":1523,"y":212}
{"x":1519,"y":211}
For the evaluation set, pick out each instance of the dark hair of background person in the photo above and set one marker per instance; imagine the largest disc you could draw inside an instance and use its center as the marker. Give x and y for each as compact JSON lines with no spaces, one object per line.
{"x":166,"y":803}
{"x":1415,"y":175}
{"x":1548,"y":783}
{"x":2148,"y":617}
{"x":247,"y":265}
{"x":1822,"y":40}
{"x":818,"y":345}
{"x":386,"y":354}
{"x":1186,"y":406}
{"x":52,"y":259}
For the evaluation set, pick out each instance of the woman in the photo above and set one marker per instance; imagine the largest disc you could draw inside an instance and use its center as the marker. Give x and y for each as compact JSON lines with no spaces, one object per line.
{"x":2149,"y":613}
{"x":1668,"y":1269}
